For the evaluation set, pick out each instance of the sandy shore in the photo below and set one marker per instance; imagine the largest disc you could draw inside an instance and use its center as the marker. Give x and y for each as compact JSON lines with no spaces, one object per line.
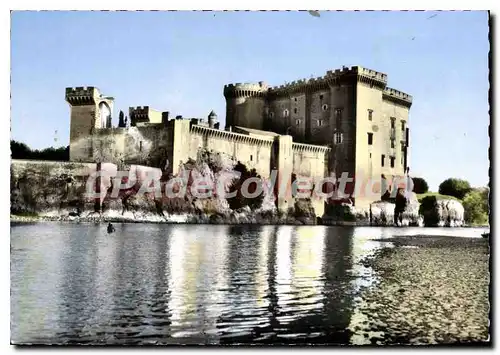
{"x":432,"y":290}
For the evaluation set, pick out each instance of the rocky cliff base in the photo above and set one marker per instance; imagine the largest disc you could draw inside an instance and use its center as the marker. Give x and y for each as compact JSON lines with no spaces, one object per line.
{"x":58,"y":191}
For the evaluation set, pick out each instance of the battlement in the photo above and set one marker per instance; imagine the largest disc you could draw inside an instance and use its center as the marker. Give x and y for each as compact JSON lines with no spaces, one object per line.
{"x":231,"y":136}
{"x":81,"y":90}
{"x":138,"y":110}
{"x":333,"y":77}
{"x":300,"y":147}
{"x":370,"y":73}
{"x":397,"y":96}
{"x":145,"y":114}
{"x":245,"y":89}
{"x":82,"y":95}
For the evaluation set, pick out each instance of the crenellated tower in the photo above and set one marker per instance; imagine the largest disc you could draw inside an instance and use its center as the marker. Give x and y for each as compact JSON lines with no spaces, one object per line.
{"x":245,"y":105}
{"x":90,"y":110}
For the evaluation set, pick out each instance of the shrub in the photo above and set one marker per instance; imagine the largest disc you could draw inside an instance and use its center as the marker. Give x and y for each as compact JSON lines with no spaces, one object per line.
{"x":428,"y":210}
{"x":239,"y":200}
{"x":476,"y":206}
{"x":454,"y":187}
{"x":420,"y":186}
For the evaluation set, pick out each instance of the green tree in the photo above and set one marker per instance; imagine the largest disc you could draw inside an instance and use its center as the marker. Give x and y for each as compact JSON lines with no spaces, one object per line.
{"x":476,"y":206}
{"x":239,"y":200}
{"x":20,"y":150}
{"x":420,"y":186}
{"x":121,"y":119}
{"x":455,"y":187}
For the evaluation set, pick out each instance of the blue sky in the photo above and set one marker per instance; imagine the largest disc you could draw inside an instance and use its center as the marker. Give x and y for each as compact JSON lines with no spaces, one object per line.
{"x":180,"y":61}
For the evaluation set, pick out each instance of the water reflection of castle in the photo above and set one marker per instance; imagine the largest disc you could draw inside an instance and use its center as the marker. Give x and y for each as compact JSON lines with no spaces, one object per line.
{"x":259,"y":284}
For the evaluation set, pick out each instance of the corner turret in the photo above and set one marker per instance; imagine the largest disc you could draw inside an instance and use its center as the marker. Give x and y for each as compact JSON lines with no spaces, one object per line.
{"x":212,"y":119}
{"x":245,"y":104}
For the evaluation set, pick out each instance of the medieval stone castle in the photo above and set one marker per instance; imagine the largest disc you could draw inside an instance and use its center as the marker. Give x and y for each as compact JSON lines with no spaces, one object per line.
{"x":347,"y":121}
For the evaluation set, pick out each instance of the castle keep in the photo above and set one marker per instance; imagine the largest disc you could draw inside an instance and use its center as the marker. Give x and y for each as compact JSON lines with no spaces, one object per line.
{"x":347,"y":121}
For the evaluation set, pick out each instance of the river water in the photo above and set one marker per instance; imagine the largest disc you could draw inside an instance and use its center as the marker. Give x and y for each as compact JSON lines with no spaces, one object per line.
{"x":191,"y":284}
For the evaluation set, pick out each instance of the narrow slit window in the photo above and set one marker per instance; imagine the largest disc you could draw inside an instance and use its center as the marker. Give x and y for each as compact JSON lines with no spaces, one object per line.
{"x":370,"y":138}
{"x":383,"y":159}
{"x":338,"y":116}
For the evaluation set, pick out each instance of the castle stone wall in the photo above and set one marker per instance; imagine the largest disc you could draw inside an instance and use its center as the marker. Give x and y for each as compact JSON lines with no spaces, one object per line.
{"x":368,"y":157}
{"x":312,"y":162}
{"x":400,"y":112}
{"x":320,"y":124}
{"x":254,"y":152}
{"x":278,"y":122}
{"x":82,"y":123}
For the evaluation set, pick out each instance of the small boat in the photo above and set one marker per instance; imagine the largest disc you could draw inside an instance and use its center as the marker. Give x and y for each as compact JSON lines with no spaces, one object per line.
{"x":111,"y":228}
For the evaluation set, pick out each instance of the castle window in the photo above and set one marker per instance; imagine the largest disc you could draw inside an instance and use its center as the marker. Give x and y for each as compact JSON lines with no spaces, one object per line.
{"x":392,"y":161}
{"x":140,"y":146}
{"x":338,"y":137}
{"x":251,"y":157}
{"x":393,"y":122}
{"x":271,"y":114}
{"x":370,"y":115}
{"x":392,"y":143}
{"x":286,"y":113}
{"x":297,"y":122}
{"x":320,"y":122}
{"x":402,"y":125}
{"x":383,"y":159}
{"x":321,"y":97}
{"x":295,"y":99}
{"x":295,"y":110}
{"x":338,"y":115}
{"x":370,"y":138}
{"x":370,"y":155}
{"x":324,"y":107}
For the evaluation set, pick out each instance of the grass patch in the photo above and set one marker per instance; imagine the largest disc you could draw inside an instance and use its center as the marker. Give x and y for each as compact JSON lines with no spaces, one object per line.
{"x":437,"y":195}
{"x":25,"y":214}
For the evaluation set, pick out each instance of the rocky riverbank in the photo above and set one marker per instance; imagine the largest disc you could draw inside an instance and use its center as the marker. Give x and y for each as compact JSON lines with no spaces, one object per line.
{"x":432,"y":290}
{"x":301,"y":214}
{"x":58,"y":191}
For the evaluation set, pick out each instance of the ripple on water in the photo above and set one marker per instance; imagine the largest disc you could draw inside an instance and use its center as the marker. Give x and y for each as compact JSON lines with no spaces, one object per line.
{"x":164,"y":284}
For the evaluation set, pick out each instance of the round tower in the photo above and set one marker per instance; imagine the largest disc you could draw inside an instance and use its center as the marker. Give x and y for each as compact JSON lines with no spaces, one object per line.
{"x":212,"y":119}
{"x":245,"y":104}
